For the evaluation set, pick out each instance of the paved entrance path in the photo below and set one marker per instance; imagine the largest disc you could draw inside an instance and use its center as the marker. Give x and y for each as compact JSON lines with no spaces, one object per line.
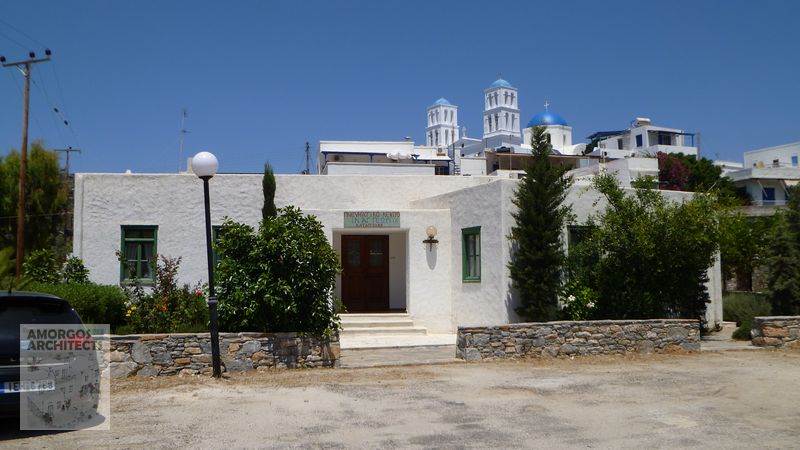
{"x":722,"y":340}
{"x":398,"y":356}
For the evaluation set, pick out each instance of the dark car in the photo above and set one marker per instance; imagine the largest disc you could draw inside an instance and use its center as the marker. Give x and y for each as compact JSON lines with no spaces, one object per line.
{"x":58,"y":380}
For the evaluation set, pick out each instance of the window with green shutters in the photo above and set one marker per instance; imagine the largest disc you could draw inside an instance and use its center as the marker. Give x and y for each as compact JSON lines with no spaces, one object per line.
{"x":138,"y":249}
{"x":471,"y":254}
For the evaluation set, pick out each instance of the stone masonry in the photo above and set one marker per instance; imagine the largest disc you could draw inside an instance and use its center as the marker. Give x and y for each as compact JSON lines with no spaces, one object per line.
{"x":776,"y":331}
{"x":152,"y":355}
{"x":562,"y":339}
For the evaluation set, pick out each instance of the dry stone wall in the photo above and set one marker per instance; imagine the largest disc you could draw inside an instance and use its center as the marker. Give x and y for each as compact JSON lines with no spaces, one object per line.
{"x":593,"y":337}
{"x":776,"y":331}
{"x":152,"y":355}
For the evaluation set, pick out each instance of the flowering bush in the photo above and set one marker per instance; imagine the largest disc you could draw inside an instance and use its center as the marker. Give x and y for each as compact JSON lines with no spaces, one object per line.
{"x":578,"y":302}
{"x":168,"y":307}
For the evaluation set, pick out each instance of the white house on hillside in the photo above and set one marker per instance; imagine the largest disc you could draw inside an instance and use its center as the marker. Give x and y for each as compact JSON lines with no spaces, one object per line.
{"x":642,"y":138}
{"x":768,"y":172}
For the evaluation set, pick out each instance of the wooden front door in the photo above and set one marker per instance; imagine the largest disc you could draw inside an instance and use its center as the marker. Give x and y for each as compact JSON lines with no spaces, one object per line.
{"x":365,"y":273}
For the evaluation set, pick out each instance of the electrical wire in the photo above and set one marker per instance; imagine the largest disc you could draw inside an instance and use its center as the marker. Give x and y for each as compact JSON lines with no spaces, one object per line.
{"x":14,"y":41}
{"x":22,"y":33}
{"x":19,"y":89}
{"x":53,"y":109}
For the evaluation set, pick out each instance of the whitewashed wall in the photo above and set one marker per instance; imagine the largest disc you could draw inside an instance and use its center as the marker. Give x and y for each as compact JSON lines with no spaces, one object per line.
{"x":435,"y":296}
{"x":766,"y":156}
{"x":105,"y":202}
{"x":486,"y":302}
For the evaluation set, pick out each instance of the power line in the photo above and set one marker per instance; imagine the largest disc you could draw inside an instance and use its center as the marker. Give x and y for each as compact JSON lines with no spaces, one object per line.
{"x":22,"y":33}
{"x":52,"y":114}
{"x":63,"y":213}
{"x":12,"y":40}
{"x":19,"y":89}
{"x":25,"y":66}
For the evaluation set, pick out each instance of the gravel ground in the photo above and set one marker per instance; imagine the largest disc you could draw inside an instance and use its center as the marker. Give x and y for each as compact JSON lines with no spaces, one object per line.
{"x":711,"y":400}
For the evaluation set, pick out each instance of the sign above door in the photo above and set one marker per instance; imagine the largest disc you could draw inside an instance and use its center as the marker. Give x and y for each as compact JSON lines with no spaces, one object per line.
{"x":372,"y":219}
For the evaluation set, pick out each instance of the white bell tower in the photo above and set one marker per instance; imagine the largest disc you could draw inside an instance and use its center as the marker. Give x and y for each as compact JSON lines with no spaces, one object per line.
{"x":501,"y":111}
{"x":442,"y":128}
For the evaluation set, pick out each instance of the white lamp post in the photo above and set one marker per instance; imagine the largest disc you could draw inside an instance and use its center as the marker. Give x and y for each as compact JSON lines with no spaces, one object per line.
{"x":204,"y":165}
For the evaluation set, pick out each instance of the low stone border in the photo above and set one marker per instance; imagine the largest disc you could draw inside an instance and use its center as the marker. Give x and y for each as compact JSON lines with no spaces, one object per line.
{"x":189,"y":353}
{"x":776,"y":331}
{"x":592,"y":337}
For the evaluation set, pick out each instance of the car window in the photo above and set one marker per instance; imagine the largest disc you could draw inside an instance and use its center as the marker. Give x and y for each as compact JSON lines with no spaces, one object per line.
{"x":14,"y":312}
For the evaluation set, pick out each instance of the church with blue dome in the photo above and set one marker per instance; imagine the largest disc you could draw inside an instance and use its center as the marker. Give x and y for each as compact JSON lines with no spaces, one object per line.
{"x":545,"y":119}
{"x":503,"y":124}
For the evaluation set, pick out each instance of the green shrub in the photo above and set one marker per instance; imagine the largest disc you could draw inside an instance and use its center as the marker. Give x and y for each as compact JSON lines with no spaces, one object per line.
{"x":7,"y":271}
{"x":577,"y":301}
{"x":742,"y":307}
{"x":279,"y":278}
{"x":74,"y":271}
{"x":42,"y":266}
{"x":168,"y":307}
{"x":95,"y":303}
{"x":647,"y":256}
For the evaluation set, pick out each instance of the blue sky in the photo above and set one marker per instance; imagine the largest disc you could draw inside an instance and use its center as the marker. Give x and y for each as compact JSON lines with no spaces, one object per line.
{"x":260,"y":78}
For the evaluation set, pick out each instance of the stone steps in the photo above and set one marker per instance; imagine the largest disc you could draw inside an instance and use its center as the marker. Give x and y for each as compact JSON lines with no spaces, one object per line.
{"x":375,"y":330}
{"x":376,"y":320}
{"x":365,"y":325}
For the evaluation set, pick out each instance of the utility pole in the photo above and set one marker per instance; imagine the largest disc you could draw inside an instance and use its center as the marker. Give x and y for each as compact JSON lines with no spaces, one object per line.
{"x":184,"y":115}
{"x":25,"y":67}
{"x":67,"y":151}
{"x":308,"y":160}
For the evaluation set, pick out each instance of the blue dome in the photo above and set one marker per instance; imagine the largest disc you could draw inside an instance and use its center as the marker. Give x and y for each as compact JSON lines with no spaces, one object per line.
{"x":546,"y":118}
{"x":442,"y":101}
{"x":501,"y":83}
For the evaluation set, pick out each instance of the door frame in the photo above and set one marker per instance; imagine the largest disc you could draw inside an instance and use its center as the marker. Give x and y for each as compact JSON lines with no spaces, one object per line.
{"x":364,"y":239}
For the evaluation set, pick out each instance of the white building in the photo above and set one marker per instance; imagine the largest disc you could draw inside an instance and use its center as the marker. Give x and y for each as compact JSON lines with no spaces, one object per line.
{"x":643,"y":139}
{"x":768,"y":172}
{"x":376,"y":223}
{"x":381,"y":158}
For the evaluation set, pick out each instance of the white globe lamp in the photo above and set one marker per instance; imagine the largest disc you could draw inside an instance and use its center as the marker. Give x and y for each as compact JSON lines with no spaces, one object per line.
{"x":205,"y":164}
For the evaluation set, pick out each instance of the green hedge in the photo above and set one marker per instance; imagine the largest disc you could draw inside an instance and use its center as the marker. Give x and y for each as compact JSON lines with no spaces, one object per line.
{"x":95,"y":303}
{"x":742,"y":307}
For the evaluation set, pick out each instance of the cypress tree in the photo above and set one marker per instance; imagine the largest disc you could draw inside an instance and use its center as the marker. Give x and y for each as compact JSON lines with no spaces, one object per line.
{"x":783,"y":280}
{"x":268,"y":187}
{"x":539,"y":257}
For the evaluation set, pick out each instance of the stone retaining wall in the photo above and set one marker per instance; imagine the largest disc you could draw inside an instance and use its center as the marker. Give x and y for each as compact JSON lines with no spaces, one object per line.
{"x":776,"y":331}
{"x":188,"y":354}
{"x":593,"y":337}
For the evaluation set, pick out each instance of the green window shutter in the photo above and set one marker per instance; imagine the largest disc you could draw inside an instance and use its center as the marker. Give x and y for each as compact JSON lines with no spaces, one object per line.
{"x":138,"y":247}
{"x":471,"y":255}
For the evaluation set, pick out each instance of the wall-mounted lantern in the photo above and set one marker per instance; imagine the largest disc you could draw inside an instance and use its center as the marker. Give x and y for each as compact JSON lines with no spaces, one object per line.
{"x":431,"y":232}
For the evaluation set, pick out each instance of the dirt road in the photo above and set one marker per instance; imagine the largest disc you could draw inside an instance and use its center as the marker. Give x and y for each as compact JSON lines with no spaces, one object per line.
{"x":718,"y":400}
